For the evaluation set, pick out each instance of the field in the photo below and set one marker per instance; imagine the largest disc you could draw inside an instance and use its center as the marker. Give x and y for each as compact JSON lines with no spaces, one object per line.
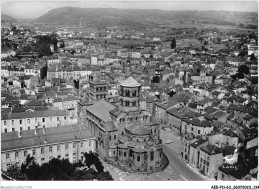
{"x":201,"y":26}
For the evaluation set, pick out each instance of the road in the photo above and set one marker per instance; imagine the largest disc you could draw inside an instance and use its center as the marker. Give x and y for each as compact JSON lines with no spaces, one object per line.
{"x":179,"y":166}
{"x":172,"y":151}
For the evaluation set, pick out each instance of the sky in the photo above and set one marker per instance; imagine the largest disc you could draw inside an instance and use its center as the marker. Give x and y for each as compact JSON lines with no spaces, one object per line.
{"x":34,"y":9}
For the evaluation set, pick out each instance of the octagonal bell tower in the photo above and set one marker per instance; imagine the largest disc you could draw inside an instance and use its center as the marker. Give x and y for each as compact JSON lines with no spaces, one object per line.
{"x":129,"y":94}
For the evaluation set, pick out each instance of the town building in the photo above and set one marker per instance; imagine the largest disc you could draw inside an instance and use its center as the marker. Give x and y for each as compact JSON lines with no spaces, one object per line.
{"x":33,"y":120}
{"x":64,"y":142}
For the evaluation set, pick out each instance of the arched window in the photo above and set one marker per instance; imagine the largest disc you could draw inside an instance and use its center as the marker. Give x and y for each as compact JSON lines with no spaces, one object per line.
{"x":152,"y":156}
{"x":127,"y":93}
{"x":138,"y":158}
{"x":130,"y":153}
{"x":114,"y":136}
{"x":109,"y":137}
{"x":154,"y":130}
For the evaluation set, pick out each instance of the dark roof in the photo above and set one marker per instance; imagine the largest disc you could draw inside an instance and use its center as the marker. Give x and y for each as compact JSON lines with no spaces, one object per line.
{"x":228,"y":150}
{"x":98,"y":82}
{"x":192,"y":105}
{"x":230,"y":133}
{"x":35,"y":114}
{"x":35,"y":103}
{"x":6,"y":110}
{"x":211,"y":149}
{"x":197,"y":122}
{"x":235,"y":170}
{"x":198,"y":143}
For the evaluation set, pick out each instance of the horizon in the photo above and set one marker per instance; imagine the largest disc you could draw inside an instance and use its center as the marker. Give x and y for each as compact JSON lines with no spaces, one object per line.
{"x":35,"y":9}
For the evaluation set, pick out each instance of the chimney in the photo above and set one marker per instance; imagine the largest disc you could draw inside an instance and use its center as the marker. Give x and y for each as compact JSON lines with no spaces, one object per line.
{"x":19,"y":134}
{"x":35,"y":132}
{"x":45,"y":140}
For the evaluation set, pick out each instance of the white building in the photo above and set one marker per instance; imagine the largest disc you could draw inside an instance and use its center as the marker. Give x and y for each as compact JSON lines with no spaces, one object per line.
{"x":68,"y":142}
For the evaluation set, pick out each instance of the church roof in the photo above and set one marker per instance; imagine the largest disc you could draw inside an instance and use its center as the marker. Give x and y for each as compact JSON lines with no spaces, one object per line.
{"x":138,"y":129}
{"x":130,"y":82}
{"x":101,"y":110}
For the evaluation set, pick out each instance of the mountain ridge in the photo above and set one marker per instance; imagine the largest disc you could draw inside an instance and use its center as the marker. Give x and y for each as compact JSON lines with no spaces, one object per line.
{"x":7,"y":18}
{"x":76,"y":15}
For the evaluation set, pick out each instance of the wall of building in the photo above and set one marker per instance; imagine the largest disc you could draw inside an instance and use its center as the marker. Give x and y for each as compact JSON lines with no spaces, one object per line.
{"x":73,"y":151}
{"x":33,"y":123}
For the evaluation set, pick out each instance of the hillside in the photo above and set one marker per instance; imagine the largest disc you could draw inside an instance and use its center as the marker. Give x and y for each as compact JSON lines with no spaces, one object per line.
{"x":7,"y":18}
{"x":102,"y":17}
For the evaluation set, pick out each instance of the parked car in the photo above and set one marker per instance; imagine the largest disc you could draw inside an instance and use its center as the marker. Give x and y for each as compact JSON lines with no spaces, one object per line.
{"x":168,"y":141}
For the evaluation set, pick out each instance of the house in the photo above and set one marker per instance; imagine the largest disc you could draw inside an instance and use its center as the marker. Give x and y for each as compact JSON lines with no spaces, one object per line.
{"x":225,"y":138}
{"x":175,"y":117}
{"x":57,"y":103}
{"x":166,"y":74}
{"x":210,"y":159}
{"x":70,"y":104}
{"x":233,"y":172}
{"x":218,"y":95}
{"x":201,"y":77}
{"x":221,"y":80}
{"x":195,"y":150}
{"x":193,"y":127}
{"x":162,"y":107}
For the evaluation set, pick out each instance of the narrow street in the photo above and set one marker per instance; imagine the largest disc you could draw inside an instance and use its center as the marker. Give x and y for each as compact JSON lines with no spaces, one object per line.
{"x":179,"y":166}
{"x":172,"y":151}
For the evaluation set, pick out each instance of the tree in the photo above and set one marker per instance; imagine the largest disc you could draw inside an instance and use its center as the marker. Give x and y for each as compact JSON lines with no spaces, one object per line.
{"x":29,"y":160}
{"x":85,"y":175}
{"x":23,"y":85}
{"x":54,"y":40}
{"x":242,"y":53}
{"x":173,"y":43}
{"x":218,"y":40}
{"x":253,"y":58}
{"x":43,"y":72}
{"x":76,"y":84}
{"x":15,"y":173}
{"x":156,"y":79}
{"x":206,"y":43}
{"x":33,"y":171}
{"x":254,"y":80}
{"x":62,"y":45}
{"x":104,"y":176}
{"x":171,"y":93}
{"x":44,"y":50}
{"x":243,"y":69}
{"x":92,"y":159}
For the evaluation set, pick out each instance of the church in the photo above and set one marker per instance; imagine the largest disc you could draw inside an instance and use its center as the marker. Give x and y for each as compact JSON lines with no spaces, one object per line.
{"x":127,"y":135}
